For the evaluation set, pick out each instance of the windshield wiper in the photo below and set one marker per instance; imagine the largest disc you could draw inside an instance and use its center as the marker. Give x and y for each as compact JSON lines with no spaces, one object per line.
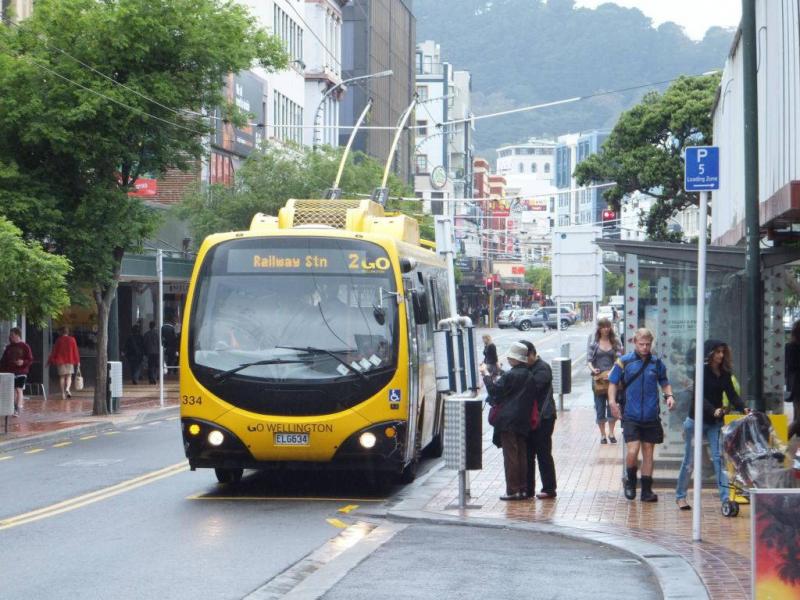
{"x":331,"y":353}
{"x":269,"y":361}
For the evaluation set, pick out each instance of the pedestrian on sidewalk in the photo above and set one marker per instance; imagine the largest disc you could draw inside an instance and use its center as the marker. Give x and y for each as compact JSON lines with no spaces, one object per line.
{"x":490,"y":355}
{"x":792,"y":370}
{"x":151,"y":347}
{"x":641,"y":373}
{"x":17,"y":358}
{"x":539,"y":442}
{"x":134,"y":353}
{"x":604,"y":349}
{"x":718,"y":394}
{"x":513,"y":394}
{"x":66,"y":359}
{"x":169,"y":337}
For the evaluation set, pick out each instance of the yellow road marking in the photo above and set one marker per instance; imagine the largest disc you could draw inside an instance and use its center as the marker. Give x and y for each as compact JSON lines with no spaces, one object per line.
{"x":349,"y":508}
{"x":285,"y":498}
{"x":34,"y":451}
{"x":7,"y":457}
{"x":111,"y":433}
{"x":337,"y":523}
{"x":62,"y":444}
{"x":88,"y":437}
{"x":92,"y":497}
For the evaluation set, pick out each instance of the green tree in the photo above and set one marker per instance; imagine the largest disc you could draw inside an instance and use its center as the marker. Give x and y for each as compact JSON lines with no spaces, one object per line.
{"x":644,"y":152}
{"x":95,"y":94}
{"x":32,"y":281}
{"x":613,"y":284}
{"x":541,"y":278}
{"x":274,"y":174}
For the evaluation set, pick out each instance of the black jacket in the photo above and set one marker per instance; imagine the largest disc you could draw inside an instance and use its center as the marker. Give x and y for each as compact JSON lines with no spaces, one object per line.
{"x":515,"y":391}
{"x":542,"y":376}
{"x":713,"y":387}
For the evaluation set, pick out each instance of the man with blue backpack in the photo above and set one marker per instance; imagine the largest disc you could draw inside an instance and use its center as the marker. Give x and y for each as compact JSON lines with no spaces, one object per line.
{"x":640,"y":374}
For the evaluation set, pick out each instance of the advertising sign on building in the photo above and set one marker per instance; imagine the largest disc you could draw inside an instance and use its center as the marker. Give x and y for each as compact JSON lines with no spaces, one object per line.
{"x":246,"y":91}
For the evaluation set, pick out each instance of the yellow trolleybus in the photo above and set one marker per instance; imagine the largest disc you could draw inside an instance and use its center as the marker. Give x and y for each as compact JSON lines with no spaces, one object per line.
{"x":308,"y":342}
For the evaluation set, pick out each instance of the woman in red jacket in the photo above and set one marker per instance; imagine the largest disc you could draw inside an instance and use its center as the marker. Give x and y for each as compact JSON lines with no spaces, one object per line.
{"x":65,"y":357}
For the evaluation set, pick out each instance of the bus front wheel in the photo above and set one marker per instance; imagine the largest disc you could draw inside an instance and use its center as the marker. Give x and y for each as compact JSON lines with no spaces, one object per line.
{"x":229,"y":475}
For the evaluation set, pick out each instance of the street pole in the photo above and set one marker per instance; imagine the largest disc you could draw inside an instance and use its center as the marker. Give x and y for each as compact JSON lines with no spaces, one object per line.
{"x":160,"y":271}
{"x":698,"y":370}
{"x":753,"y":325}
{"x":327,"y":94}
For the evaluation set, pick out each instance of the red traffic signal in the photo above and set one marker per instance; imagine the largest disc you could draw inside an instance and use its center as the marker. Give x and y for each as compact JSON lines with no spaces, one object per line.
{"x":490,"y":283}
{"x":609,"y":215}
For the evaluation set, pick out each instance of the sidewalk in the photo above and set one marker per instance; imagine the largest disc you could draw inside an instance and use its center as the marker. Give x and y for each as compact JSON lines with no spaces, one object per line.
{"x":41,"y":421}
{"x":590,"y":502}
{"x":589,"y":506}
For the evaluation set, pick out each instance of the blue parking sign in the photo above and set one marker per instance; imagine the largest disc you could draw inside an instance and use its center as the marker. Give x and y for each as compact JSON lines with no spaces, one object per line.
{"x":702,"y":169}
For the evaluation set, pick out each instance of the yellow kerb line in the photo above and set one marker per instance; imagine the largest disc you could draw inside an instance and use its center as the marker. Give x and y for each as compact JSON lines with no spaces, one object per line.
{"x":88,"y":437}
{"x":337,"y":523}
{"x":7,"y":457}
{"x":92,"y":497}
{"x":62,"y":444}
{"x":34,"y":451}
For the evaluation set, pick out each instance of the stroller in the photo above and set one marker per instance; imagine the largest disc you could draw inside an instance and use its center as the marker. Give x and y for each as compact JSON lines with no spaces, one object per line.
{"x":756,"y":457}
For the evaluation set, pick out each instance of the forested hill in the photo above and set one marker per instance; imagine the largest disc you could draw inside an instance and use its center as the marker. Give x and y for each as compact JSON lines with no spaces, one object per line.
{"x":524,"y":52}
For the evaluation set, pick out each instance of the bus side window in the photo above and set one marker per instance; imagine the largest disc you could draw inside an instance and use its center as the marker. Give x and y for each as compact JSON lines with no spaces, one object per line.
{"x":434,"y":296}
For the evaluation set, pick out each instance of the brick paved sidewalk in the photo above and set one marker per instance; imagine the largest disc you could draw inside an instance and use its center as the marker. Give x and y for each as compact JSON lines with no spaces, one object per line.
{"x":38,"y":416}
{"x":590,"y":497}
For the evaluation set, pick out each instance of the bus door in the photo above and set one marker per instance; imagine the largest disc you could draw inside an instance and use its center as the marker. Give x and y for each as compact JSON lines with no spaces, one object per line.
{"x":413,"y":369}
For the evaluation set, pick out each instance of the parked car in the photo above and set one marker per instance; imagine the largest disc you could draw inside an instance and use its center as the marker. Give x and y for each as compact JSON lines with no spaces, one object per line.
{"x":545,"y":317}
{"x":505,"y":318}
{"x":605,"y":312}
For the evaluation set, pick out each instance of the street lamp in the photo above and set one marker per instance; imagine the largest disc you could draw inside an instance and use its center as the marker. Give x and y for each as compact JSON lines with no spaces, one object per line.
{"x":328,"y":92}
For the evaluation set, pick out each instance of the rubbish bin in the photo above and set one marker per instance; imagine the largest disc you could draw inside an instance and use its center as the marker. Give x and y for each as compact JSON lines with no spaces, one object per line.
{"x":6,"y":396}
{"x":562,"y":375}
{"x":114,"y":386}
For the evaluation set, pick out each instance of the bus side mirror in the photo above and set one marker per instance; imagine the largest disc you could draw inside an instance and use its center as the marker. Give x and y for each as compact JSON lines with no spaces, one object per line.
{"x":420,"y":302}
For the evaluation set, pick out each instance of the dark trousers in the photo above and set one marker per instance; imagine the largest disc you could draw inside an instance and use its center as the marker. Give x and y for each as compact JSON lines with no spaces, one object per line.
{"x":135,"y":365}
{"x":514,"y":461}
{"x":152,"y":368}
{"x":540,"y":449}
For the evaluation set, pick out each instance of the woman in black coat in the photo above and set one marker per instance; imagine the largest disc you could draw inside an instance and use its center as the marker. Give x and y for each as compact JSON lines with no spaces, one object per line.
{"x":513,"y":393}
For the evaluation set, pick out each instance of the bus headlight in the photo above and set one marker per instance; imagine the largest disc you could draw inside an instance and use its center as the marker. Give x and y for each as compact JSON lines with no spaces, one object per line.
{"x":194,"y":429}
{"x":367,"y":440}
{"x":215,"y":438}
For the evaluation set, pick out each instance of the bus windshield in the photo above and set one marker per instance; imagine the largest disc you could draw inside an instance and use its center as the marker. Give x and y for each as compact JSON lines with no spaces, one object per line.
{"x":295,"y":309}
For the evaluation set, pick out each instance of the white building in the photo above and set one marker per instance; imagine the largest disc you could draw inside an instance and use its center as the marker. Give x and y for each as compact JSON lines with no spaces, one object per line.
{"x":443,"y":154}
{"x":528,"y":170}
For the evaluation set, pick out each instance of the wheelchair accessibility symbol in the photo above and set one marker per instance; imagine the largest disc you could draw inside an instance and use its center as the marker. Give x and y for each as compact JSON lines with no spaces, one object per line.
{"x":394,"y":395}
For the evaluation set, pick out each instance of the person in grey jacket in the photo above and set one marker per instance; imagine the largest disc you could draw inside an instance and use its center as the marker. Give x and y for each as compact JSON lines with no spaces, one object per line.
{"x":513,"y":393}
{"x":540,"y":440}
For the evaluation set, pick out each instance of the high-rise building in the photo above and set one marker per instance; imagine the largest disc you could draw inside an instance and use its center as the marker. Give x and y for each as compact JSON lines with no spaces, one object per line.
{"x":16,"y":10}
{"x":379,"y":35}
{"x":577,"y":205}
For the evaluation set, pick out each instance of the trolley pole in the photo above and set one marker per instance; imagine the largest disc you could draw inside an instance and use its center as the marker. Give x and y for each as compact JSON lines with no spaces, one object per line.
{"x":698,"y":370}
{"x":160,"y":271}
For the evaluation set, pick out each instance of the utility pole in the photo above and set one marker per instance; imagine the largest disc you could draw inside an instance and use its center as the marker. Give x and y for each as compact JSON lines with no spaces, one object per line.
{"x":753,"y":296}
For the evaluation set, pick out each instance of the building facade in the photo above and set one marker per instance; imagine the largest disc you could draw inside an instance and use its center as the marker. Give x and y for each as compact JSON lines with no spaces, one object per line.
{"x":442,"y":154}
{"x":16,"y":9}
{"x":379,"y":35}
{"x":577,"y":205}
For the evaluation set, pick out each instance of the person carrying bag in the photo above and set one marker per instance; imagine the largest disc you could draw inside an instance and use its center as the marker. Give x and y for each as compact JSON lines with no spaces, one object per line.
{"x":604,"y":348}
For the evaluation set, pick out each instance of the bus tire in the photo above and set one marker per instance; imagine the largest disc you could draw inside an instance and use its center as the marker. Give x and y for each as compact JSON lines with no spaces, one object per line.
{"x":229,"y":475}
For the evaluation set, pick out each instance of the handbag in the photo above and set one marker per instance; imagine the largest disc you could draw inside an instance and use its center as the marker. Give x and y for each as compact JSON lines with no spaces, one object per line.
{"x":600,"y":382}
{"x":78,"y":380}
{"x":494,"y":414}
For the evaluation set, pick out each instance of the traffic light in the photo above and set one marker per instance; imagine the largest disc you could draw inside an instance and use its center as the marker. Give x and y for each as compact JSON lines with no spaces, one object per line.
{"x":610,"y":223}
{"x":490,"y":283}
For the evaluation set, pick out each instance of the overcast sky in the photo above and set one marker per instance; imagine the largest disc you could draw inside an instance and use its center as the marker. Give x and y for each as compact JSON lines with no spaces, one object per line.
{"x":695,"y":16}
